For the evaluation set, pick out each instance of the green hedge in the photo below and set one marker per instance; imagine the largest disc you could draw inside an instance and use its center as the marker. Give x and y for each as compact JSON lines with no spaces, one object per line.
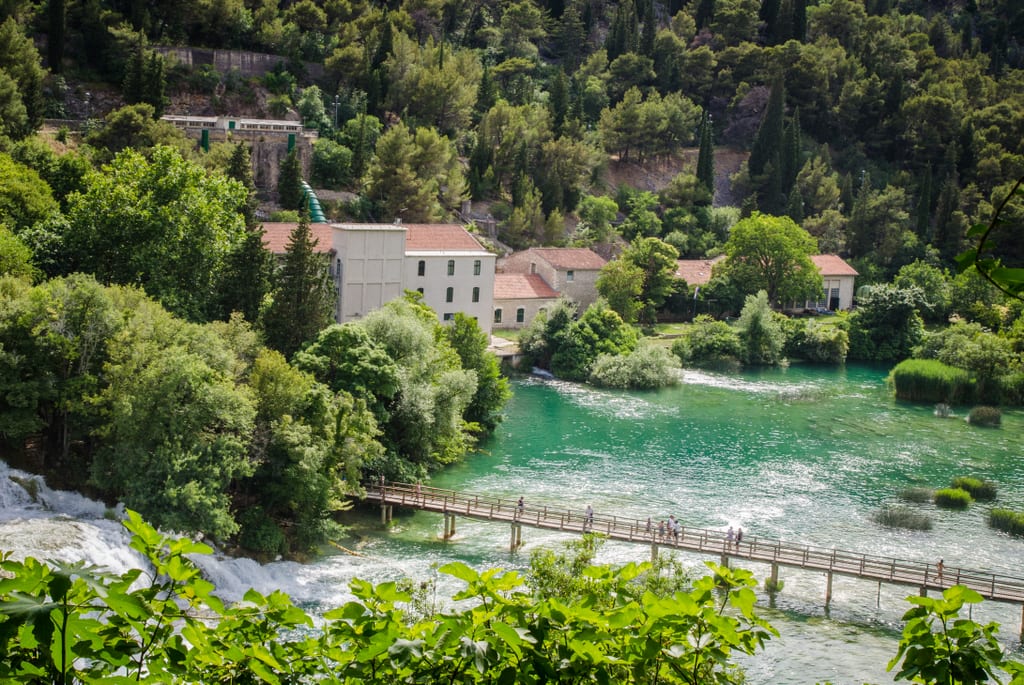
{"x":981,"y":490}
{"x":928,"y":380}
{"x":985,"y":416}
{"x":1007,"y":520}
{"x":952,"y":498}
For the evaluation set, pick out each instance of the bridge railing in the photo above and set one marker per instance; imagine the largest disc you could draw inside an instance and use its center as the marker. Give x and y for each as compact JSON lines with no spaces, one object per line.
{"x":706,"y":540}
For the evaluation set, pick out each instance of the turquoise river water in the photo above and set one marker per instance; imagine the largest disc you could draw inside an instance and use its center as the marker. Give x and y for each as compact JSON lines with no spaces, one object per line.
{"x":805,"y":454}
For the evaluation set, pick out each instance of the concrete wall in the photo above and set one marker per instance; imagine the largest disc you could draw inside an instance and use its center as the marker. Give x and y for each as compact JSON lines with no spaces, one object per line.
{"x":531,"y":307}
{"x":371,"y":261}
{"x":435,"y":282}
{"x":244,"y":62}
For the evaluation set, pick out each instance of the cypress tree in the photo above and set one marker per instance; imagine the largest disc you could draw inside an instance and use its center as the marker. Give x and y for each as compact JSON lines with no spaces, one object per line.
{"x":240,"y":169}
{"x":799,"y":20}
{"x":154,"y":84}
{"x":486,"y":94}
{"x":558,"y":101}
{"x":304,"y":300}
{"x":55,"y":40}
{"x":134,"y":74}
{"x":795,"y":206}
{"x":846,"y":193}
{"x":706,"y":156}
{"x":769,"y":14}
{"x":923,"y":213}
{"x":246,"y":278}
{"x":765,"y":165}
{"x":705,"y":13}
{"x":792,"y":155}
{"x":948,"y":231}
{"x":289,"y":183}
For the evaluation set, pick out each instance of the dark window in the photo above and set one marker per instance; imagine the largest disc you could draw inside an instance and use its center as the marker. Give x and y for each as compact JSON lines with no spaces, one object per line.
{"x":419,"y":290}
{"x":449,"y":295}
{"x":570,"y":275}
{"x":451,"y":267}
{"x":476,"y":294}
{"x":497,"y":316}
{"x":520,"y":315}
{"x":476,"y":267}
{"x":421,"y":269}
{"x":448,"y":316}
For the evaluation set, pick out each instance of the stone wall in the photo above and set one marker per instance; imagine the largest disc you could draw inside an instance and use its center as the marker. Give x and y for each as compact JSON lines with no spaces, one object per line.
{"x":244,"y":62}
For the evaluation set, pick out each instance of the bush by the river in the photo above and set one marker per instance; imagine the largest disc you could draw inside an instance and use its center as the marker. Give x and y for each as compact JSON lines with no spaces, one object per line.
{"x":899,"y":516}
{"x":709,"y":344}
{"x":981,"y":490}
{"x":929,"y":380}
{"x":917,"y":494}
{"x":646,"y":368}
{"x":952,"y":498}
{"x":822,"y":342}
{"x":985,"y":416}
{"x":1007,"y":520}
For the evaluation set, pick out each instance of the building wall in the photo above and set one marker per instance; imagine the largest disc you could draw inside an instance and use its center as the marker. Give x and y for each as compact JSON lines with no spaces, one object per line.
{"x":371,"y":268}
{"x":844,"y":284}
{"x":581,"y":289}
{"x":436,"y":280}
{"x":530,"y":306}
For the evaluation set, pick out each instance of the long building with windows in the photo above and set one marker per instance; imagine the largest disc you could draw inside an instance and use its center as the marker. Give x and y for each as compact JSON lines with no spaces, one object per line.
{"x":371,"y":264}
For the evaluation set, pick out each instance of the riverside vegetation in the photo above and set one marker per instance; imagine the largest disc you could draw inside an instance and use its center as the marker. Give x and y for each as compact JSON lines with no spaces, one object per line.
{"x":566,"y":622}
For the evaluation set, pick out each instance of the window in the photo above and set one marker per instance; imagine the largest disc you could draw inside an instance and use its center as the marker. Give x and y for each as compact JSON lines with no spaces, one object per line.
{"x":448,"y":316}
{"x":533,"y":267}
{"x":419,"y":290}
{"x":570,"y":276}
{"x":451,"y":268}
{"x":520,"y":315}
{"x":476,"y":268}
{"x":476,"y":294}
{"x":497,"y":316}
{"x":449,"y":295}
{"x":421,"y":268}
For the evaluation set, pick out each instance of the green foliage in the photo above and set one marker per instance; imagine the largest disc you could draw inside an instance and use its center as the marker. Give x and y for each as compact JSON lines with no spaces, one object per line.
{"x":1007,"y":520}
{"x":71,"y":623}
{"x":303,"y":303}
{"x":332,"y":164}
{"x":981,"y":490}
{"x":760,"y":334}
{"x":21,"y":81}
{"x":709,"y":343}
{"x":161,"y":223}
{"x":492,"y":389}
{"x":15,"y":256}
{"x":818,"y":342}
{"x":620,"y":284}
{"x":657,"y":261}
{"x":984,"y":256}
{"x":289,"y":183}
{"x":599,"y":330}
{"x":929,"y":380}
{"x":985,"y":416}
{"x":952,"y":498}
{"x":984,"y":355}
{"x":917,"y":494}
{"x":935,"y":285}
{"x":647,"y":367}
{"x":772,"y":254}
{"x":596,"y":215}
{"x":885,"y":326}
{"x":941,"y":648}
{"x":136,"y":127}
{"x":898,"y":516}
{"x":25,"y":198}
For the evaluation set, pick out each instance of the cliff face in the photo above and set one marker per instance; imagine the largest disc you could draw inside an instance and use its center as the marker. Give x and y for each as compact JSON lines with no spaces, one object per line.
{"x":267,"y":155}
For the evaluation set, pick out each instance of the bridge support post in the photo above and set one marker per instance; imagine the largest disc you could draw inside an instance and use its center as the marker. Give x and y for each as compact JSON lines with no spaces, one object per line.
{"x":828,"y":589}
{"x":654,"y":552}
{"x":924,"y":590}
{"x":516,"y":539}
{"x":449,"y":525}
{"x":775,"y":575}
{"x":1021,"y":636}
{"x":725,"y":560}
{"x":385,"y":514}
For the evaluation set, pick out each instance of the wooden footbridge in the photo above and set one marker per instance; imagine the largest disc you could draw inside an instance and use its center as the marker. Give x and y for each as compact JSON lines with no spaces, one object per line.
{"x":708,"y":542}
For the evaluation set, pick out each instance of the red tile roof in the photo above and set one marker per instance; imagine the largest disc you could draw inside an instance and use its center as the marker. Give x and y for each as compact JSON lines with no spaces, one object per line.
{"x":438,"y":237}
{"x":276,"y":235}
{"x":833,"y":265}
{"x":581,"y":258}
{"x":521,"y":287}
{"x":695,"y":271}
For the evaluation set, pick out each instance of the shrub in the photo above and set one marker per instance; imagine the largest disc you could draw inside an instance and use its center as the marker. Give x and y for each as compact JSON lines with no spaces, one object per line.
{"x":1007,"y":520}
{"x":773,"y":586}
{"x":952,"y":498}
{"x":917,"y":494}
{"x":709,"y":343}
{"x":646,"y":368}
{"x":985,"y":416}
{"x":981,"y":490}
{"x":928,"y":380}
{"x":898,"y":516}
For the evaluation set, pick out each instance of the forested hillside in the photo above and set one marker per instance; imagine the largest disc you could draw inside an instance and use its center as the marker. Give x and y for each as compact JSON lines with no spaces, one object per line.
{"x":884,"y":128}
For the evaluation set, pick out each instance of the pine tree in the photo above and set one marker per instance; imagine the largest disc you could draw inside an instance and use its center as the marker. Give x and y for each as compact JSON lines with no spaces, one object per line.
{"x":240,"y":169}
{"x":486,"y":94}
{"x":705,"y":13}
{"x":571,"y":38}
{"x":289,"y":182}
{"x":706,"y":156}
{"x":304,"y":300}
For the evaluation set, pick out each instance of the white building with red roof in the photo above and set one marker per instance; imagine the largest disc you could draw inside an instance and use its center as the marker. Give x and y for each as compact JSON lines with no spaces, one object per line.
{"x":570,"y":271}
{"x":520,"y":297}
{"x":838,"y":277}
{"x":372,"y":264}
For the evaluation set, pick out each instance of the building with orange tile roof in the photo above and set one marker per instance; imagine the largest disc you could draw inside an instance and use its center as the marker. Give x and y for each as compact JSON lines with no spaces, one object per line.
{"x":520,"y":297}
{"x":570,"y":271}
